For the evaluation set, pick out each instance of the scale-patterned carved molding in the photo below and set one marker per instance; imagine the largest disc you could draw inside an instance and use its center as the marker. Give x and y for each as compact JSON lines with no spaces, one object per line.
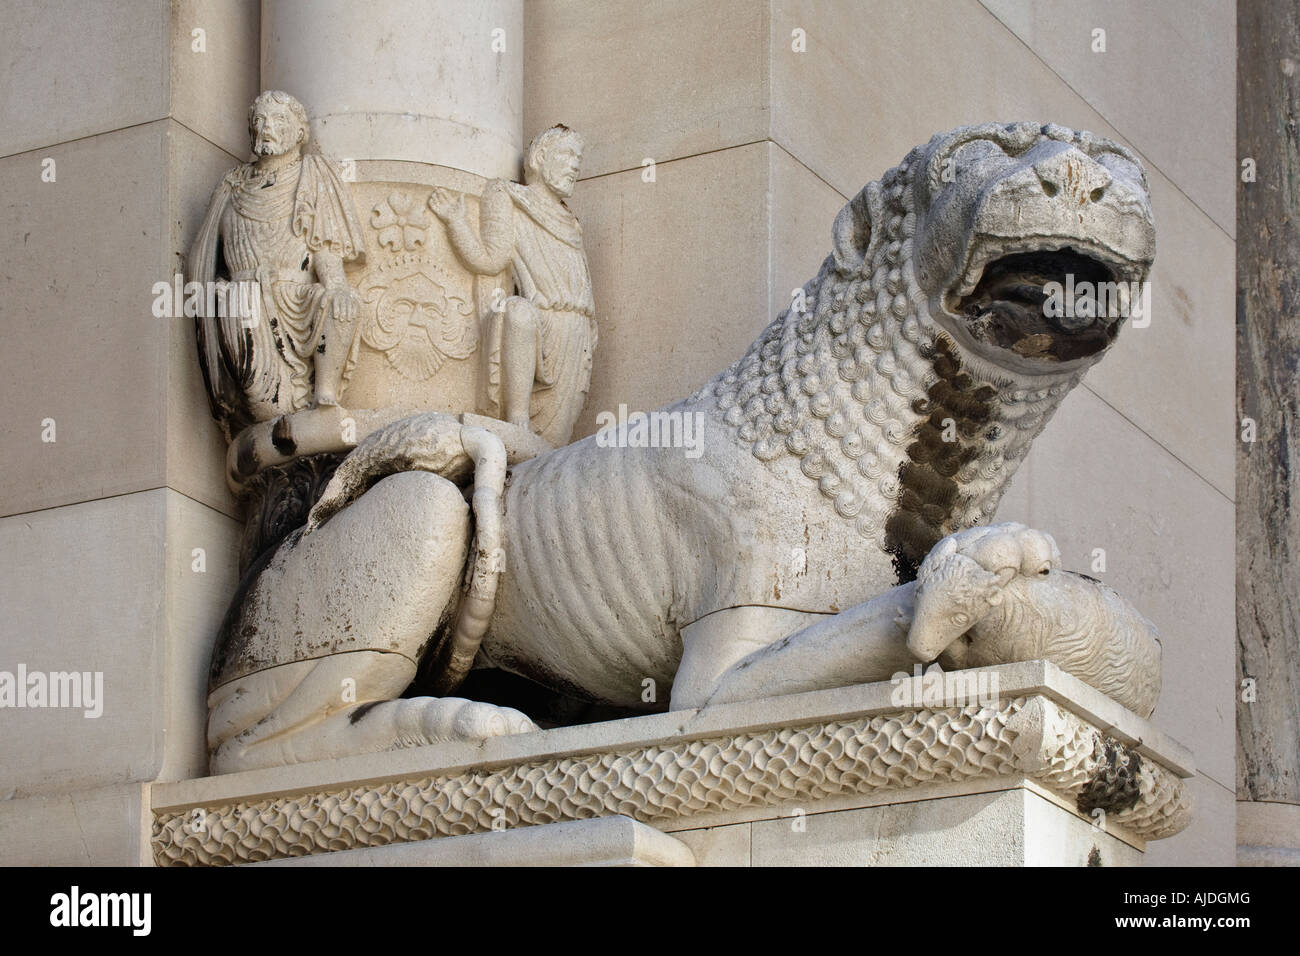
{"x":669,"y":781}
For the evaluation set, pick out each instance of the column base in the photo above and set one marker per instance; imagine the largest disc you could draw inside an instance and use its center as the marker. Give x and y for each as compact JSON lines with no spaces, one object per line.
{"x":1268,"y":834}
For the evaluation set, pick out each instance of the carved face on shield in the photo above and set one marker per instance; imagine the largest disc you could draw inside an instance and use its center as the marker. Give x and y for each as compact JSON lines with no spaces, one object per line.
{"x":418,"y":326}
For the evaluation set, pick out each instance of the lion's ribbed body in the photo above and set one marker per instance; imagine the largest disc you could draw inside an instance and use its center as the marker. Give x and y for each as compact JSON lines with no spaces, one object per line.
{"x":597,"y":574}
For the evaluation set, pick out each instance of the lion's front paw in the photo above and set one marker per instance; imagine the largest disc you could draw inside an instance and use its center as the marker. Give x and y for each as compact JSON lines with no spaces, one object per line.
{"x":999,"y":548}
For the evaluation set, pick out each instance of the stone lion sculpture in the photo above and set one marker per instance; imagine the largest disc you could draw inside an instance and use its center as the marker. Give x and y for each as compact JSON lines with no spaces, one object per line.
{"x":831,"y":528}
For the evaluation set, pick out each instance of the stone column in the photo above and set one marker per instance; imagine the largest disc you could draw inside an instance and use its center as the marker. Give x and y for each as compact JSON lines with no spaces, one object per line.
{"x":432,"y":81}
{"x":408,"y":95}
{"x":1268,"y":384}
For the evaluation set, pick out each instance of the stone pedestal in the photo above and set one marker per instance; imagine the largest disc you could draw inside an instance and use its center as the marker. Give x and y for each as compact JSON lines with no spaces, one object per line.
{"x":1052,"y":772}
{"x":604,"y":841}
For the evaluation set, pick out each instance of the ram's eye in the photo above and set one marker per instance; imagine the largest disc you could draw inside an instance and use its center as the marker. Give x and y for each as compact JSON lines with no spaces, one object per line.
{"x":961,"y":619}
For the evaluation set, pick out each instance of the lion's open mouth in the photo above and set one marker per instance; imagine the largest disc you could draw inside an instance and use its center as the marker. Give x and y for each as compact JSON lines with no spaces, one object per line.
{"x":1026,"y":302}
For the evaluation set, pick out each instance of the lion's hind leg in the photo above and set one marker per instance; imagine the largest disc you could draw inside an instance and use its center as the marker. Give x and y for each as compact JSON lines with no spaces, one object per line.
{"x":321,"y":718}
{"x":344,"y":613}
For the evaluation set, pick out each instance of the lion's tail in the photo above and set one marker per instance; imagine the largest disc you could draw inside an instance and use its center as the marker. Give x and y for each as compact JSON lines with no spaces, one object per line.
{"x":427,"y":442}
{"x":440,"y":444}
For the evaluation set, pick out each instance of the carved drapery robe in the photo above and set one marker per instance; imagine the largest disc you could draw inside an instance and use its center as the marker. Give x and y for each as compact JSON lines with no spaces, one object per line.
{"x":267,"y":228}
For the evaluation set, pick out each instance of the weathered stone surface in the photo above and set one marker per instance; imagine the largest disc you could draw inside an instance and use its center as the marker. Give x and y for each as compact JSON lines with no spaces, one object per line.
{"x":1268,"y":342}
{"x":126,"y":588}
{"x":1266,"y":833}
{"x":906,"y":85}
{"x":275,"y":240}
{"x":719,"y":846}
{"x":1003,"y":828}
{"x":201,"y":569}
{"x":691,"y":77}
{"x":104,"y":826}
{"x":1191,"y":294}
{"x":121,"y":79}
{"x":214,"y":64}
{"x":700,"y":219}
{"x":1163,"y":533}
{"x":100,"y":380}
{"x":1210,"y":838}
{"x":756,"y":88}
{"x":196,"y":447}
{"x":540,"y":342}
{"x":404,"y":80}
{"x":1189,"y":136}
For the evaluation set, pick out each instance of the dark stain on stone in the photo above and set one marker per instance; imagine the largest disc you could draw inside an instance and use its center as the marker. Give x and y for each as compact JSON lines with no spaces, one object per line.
{"x":235,"y":636}
{"x":246,"y":457}
{"x":931,"y":493}
{"x":1094,"y":857}
{"x":361,"y":710}
{"x":278,"y":499}
{"x":281,"y":437}
{"x":1114,"y":787}
{"x":1008,"y":306}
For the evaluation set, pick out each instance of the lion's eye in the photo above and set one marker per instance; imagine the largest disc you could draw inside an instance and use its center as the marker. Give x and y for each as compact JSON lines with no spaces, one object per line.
{"x":960,"y":618}
{"x":1120,"y":167}
{"x":970,"y":153}
{"x":976,"y":150}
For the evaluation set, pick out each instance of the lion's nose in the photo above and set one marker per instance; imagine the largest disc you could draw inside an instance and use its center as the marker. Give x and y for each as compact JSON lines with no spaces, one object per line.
{"x":1076,"y":178}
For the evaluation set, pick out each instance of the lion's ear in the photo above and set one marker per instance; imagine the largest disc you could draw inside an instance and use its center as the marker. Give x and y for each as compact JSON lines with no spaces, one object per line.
{"x":851,"y":233}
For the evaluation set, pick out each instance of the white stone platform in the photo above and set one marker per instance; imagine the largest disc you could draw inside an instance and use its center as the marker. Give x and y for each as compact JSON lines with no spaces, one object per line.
{"x":1055,"y":773}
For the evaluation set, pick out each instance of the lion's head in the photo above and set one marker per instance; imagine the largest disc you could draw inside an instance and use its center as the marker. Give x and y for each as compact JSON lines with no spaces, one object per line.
{"x":913,"y":372}
{"x":1002,"y":213}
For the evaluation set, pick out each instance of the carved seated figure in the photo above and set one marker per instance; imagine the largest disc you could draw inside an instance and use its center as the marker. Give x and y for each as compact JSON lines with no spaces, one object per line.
{"x":871,"y":434}
{"x":539,"y":367}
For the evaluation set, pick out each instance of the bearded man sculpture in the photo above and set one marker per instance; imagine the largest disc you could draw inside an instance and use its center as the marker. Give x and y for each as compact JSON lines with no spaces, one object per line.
{"x":539,"y":365}
{"x":871,"y":430}
{"x":284,"y":222}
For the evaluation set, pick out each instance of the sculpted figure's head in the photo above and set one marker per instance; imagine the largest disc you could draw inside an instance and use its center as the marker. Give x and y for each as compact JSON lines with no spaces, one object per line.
{"x":1005,"y":220}
{"x":277,"y":124}
{"x":555,"y":157}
